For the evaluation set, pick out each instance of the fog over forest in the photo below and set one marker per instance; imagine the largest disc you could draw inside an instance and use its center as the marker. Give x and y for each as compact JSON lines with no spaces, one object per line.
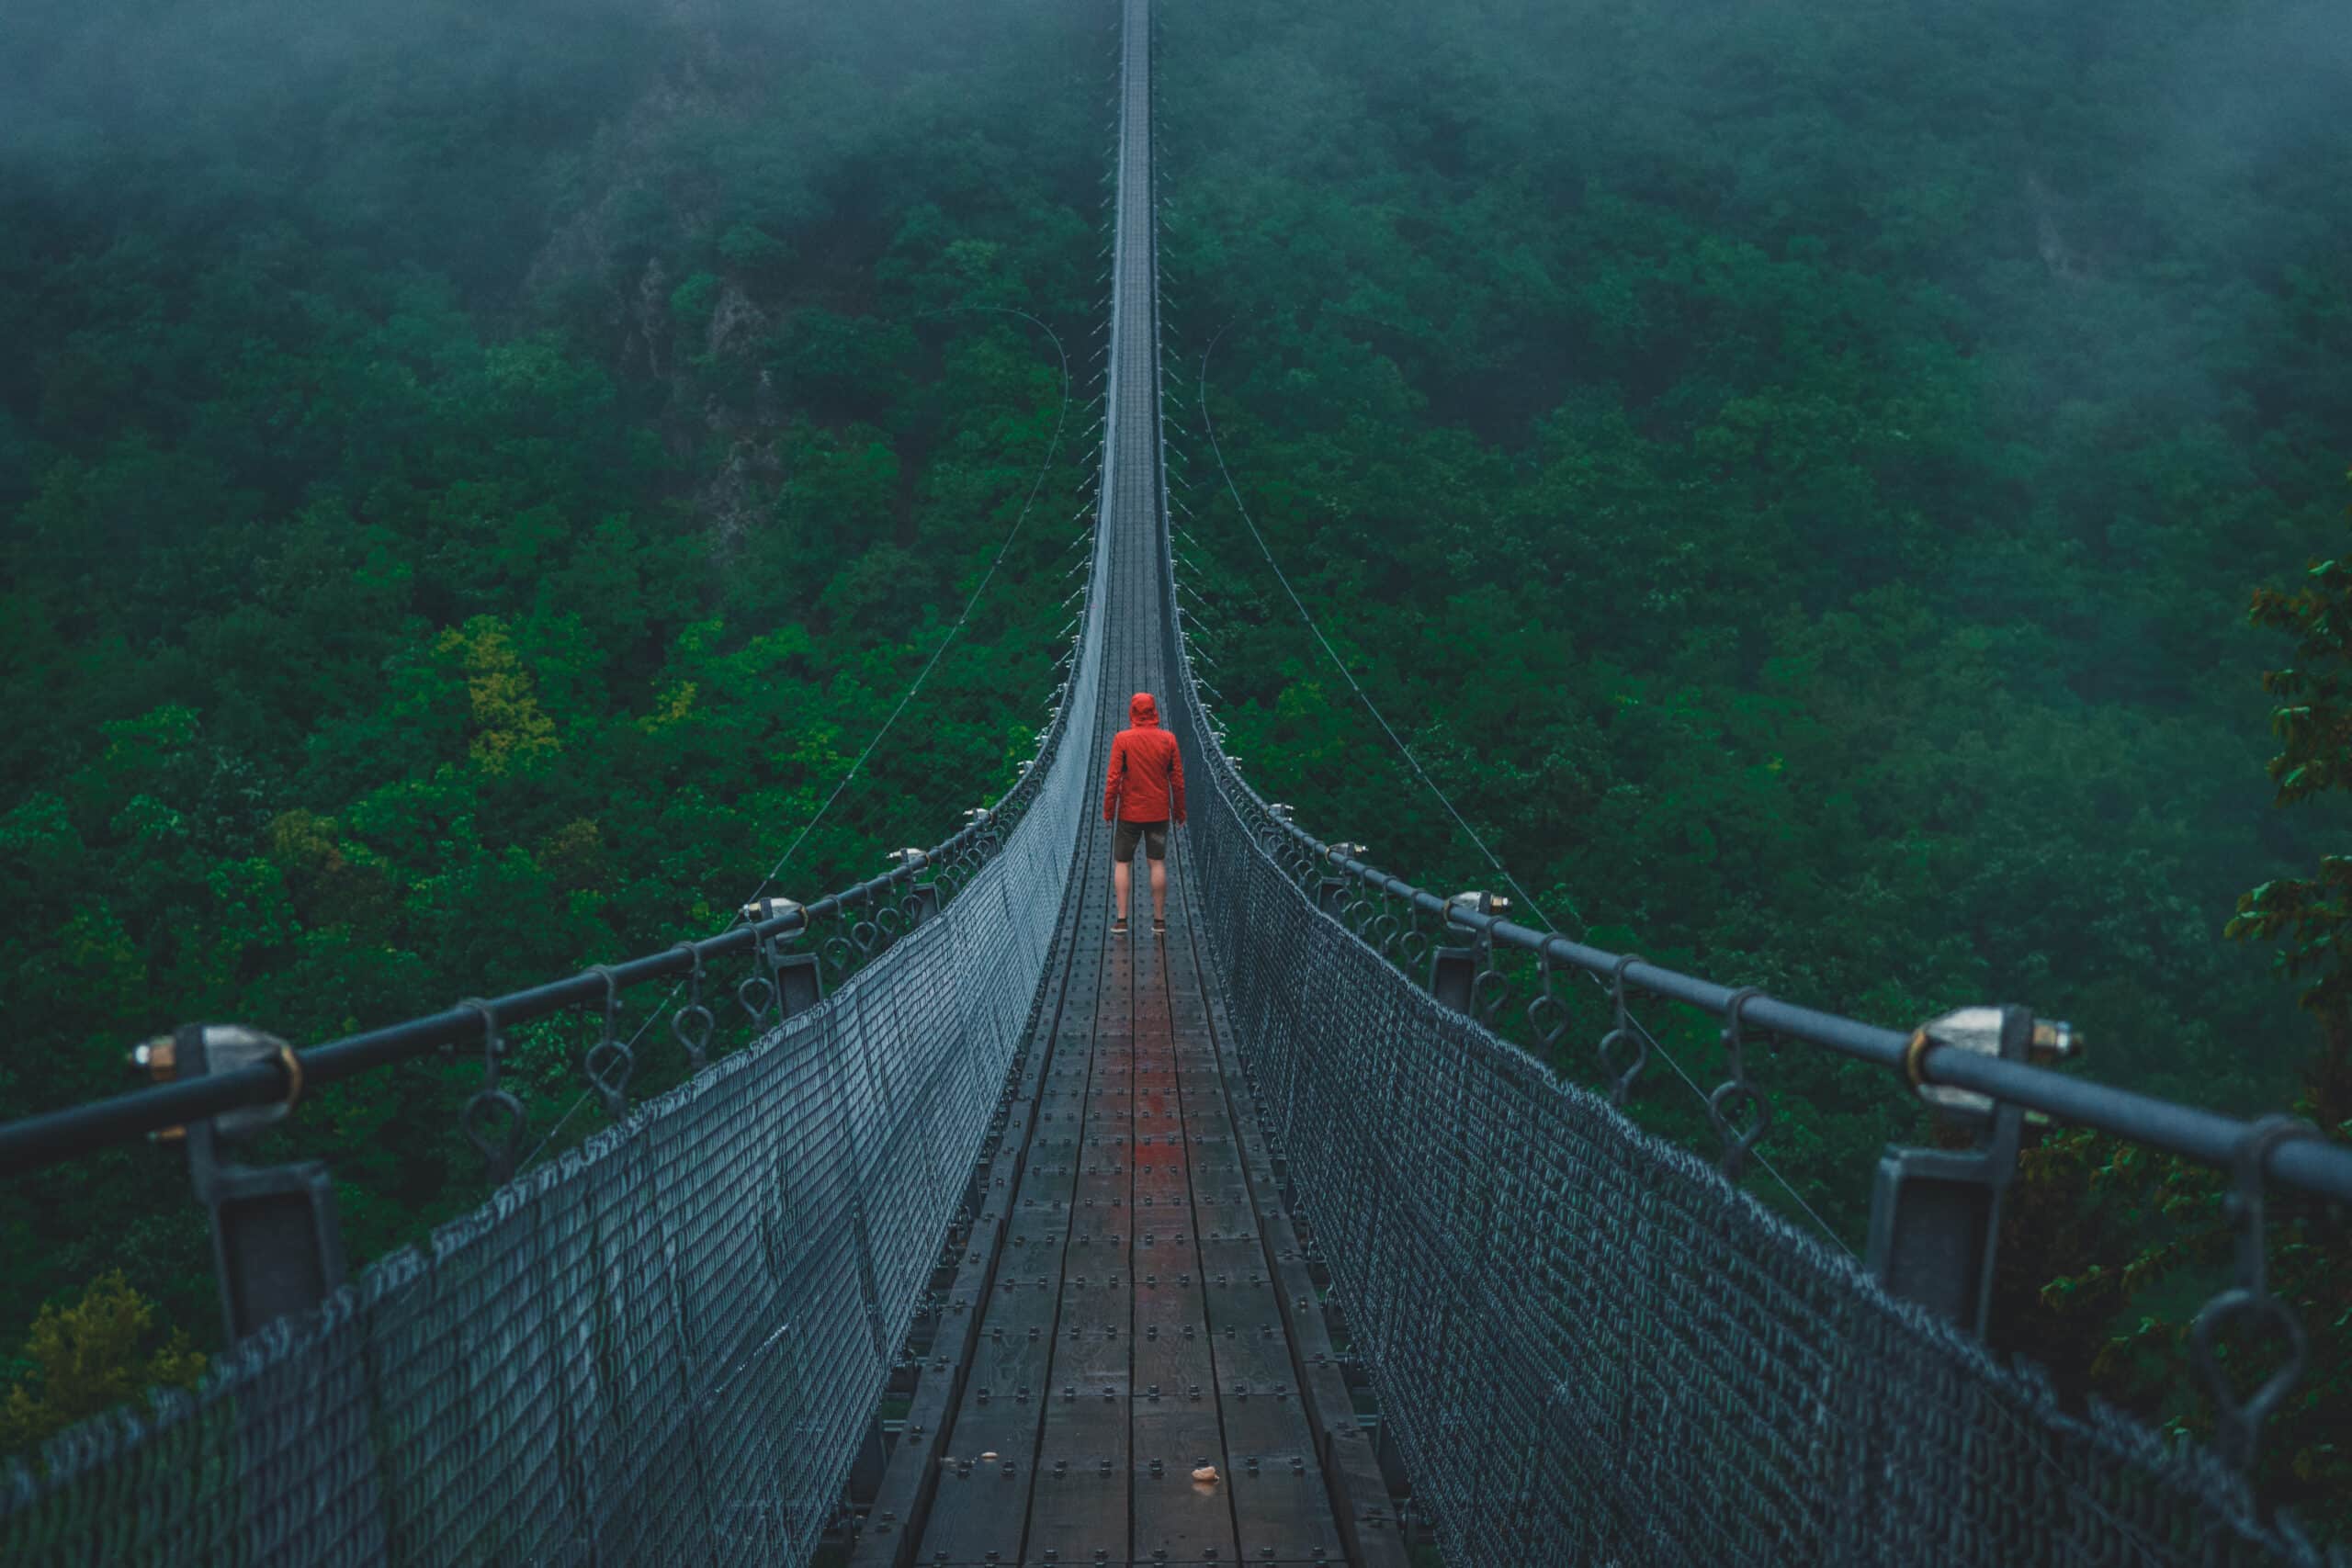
{"x":474,"y":478}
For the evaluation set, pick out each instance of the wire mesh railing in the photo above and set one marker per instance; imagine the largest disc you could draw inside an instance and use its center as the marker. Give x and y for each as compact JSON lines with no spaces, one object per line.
{"x":1588,"y":1345}
{"x":663,"y":1344}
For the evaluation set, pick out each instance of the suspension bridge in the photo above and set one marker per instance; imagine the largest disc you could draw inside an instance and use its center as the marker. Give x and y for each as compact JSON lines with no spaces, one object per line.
{"x":1252,"y":1243}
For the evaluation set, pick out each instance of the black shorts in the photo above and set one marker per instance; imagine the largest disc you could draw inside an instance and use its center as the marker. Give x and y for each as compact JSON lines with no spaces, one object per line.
{"x":1123,"y":841}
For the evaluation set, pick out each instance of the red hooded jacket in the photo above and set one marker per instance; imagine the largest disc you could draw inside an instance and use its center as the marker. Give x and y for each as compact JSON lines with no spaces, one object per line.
{"x":1147,"y":781}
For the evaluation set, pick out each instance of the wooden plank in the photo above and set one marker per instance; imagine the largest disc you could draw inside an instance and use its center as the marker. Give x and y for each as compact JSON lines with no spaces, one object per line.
{"x":1339,"y":1460}
{"x":900,"y":1516}
{"x":1173,"y":1514}
{"x":902,"y":1504}
{"x":1078,"y":1503}
{"x":1180,"y":1427}
{"x":986,"y":1465}
{"x":1275,"y":1487}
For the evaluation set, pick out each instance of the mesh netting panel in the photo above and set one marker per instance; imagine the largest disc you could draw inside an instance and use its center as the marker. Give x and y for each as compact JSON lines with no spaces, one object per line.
{"x":662,"y":1348}
{"x":1593,"y":1349}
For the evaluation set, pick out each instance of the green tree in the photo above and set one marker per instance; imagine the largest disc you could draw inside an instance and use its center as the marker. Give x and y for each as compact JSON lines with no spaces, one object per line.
{"x":105,"y":1349}
{"x":2138,"y":1239}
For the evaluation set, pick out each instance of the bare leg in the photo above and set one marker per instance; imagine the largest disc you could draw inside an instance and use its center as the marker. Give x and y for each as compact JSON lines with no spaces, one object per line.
{"x":1159,"y":890}
{"x":1119,"y":887}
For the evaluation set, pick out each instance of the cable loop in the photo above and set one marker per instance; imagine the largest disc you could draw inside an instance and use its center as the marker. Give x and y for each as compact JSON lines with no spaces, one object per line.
{"x":692,"y":1022}
{"x":757,"y":993}
{"x":840,"y":953}
{"x":2238,"y":1422}
{"x":1622,"y":1035}
{"x":1487,"y":988}
{"x":1547,"y":1016}
{"x":1736,"y":1090}
{"x":609,"y":1062}
{"x":492,"y":1119}
{"x":836,"y":954}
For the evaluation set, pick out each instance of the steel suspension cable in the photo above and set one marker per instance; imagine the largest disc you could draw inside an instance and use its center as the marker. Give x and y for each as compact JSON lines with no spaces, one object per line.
{"x":1208,"y":425}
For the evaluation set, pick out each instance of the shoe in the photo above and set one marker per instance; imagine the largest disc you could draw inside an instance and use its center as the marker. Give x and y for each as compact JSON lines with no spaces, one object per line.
{"x":1119,"y":926}
{"x":1159,"y":928}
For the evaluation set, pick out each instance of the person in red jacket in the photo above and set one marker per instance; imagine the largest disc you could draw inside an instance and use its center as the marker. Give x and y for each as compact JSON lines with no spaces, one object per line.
{"x":1144,"y":794}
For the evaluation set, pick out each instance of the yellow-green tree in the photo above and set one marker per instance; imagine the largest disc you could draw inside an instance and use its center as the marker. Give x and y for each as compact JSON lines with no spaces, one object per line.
{"x":104,"y":1350}
{"x":509,"y":727}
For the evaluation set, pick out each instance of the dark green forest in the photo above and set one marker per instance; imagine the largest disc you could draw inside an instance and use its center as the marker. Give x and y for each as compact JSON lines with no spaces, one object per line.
{"x":474,"y":480}
{"x":1795,"y":476}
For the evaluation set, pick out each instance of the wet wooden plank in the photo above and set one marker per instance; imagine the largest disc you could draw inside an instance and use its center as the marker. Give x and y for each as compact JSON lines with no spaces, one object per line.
{"x":1188,"y":1520}
{"x":1340,"y":1461}
{"x":902,"y":1504}
{"x":1079,"y":1502}
{"x":986,"y":1465}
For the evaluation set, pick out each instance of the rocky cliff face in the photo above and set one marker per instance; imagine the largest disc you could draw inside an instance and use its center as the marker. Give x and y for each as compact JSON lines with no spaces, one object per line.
{"x":600,"y":256}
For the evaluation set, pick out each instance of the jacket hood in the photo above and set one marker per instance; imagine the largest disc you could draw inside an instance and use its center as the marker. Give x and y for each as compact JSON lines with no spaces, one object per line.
{"x":1142,"y":712}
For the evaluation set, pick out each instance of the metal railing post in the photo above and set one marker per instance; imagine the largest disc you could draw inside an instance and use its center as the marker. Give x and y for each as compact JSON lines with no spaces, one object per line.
{"x":277,"y":1238}
{"x":1453,"y":971}
{"x":800,"y":985}
{"x":1936,"y":1214}
{"x":1331,"y":888}
{"x":923,"y":897}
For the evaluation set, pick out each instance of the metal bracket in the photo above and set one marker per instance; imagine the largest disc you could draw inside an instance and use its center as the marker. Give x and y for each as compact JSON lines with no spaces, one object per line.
{"x":277,"y":1238}
{"x":1454,"y":971}
{"x":1330,"y":892}
{"x":1936,"y":1214}
{"x":799,"y":984}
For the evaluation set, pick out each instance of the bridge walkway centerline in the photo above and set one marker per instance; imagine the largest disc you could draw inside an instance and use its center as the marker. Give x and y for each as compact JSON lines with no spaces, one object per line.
{"x":1118,"y":1320}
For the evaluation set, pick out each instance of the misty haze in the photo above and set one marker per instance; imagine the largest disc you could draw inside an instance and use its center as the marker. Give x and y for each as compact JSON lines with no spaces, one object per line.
{"x":1832,"y":497}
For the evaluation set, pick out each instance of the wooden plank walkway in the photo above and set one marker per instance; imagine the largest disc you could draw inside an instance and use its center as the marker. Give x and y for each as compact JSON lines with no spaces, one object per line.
{"x":1133,"y":1325}
{"x":1129,"y":1305}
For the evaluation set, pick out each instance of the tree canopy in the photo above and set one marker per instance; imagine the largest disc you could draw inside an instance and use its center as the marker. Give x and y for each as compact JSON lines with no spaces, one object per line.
{"x":471,"y":483}
{"x":1793,"y":477}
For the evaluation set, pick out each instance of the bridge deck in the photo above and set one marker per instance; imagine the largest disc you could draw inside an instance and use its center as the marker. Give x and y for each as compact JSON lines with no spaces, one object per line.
{"x":1134,"y":1328}
{"x":1119,"y":1316}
